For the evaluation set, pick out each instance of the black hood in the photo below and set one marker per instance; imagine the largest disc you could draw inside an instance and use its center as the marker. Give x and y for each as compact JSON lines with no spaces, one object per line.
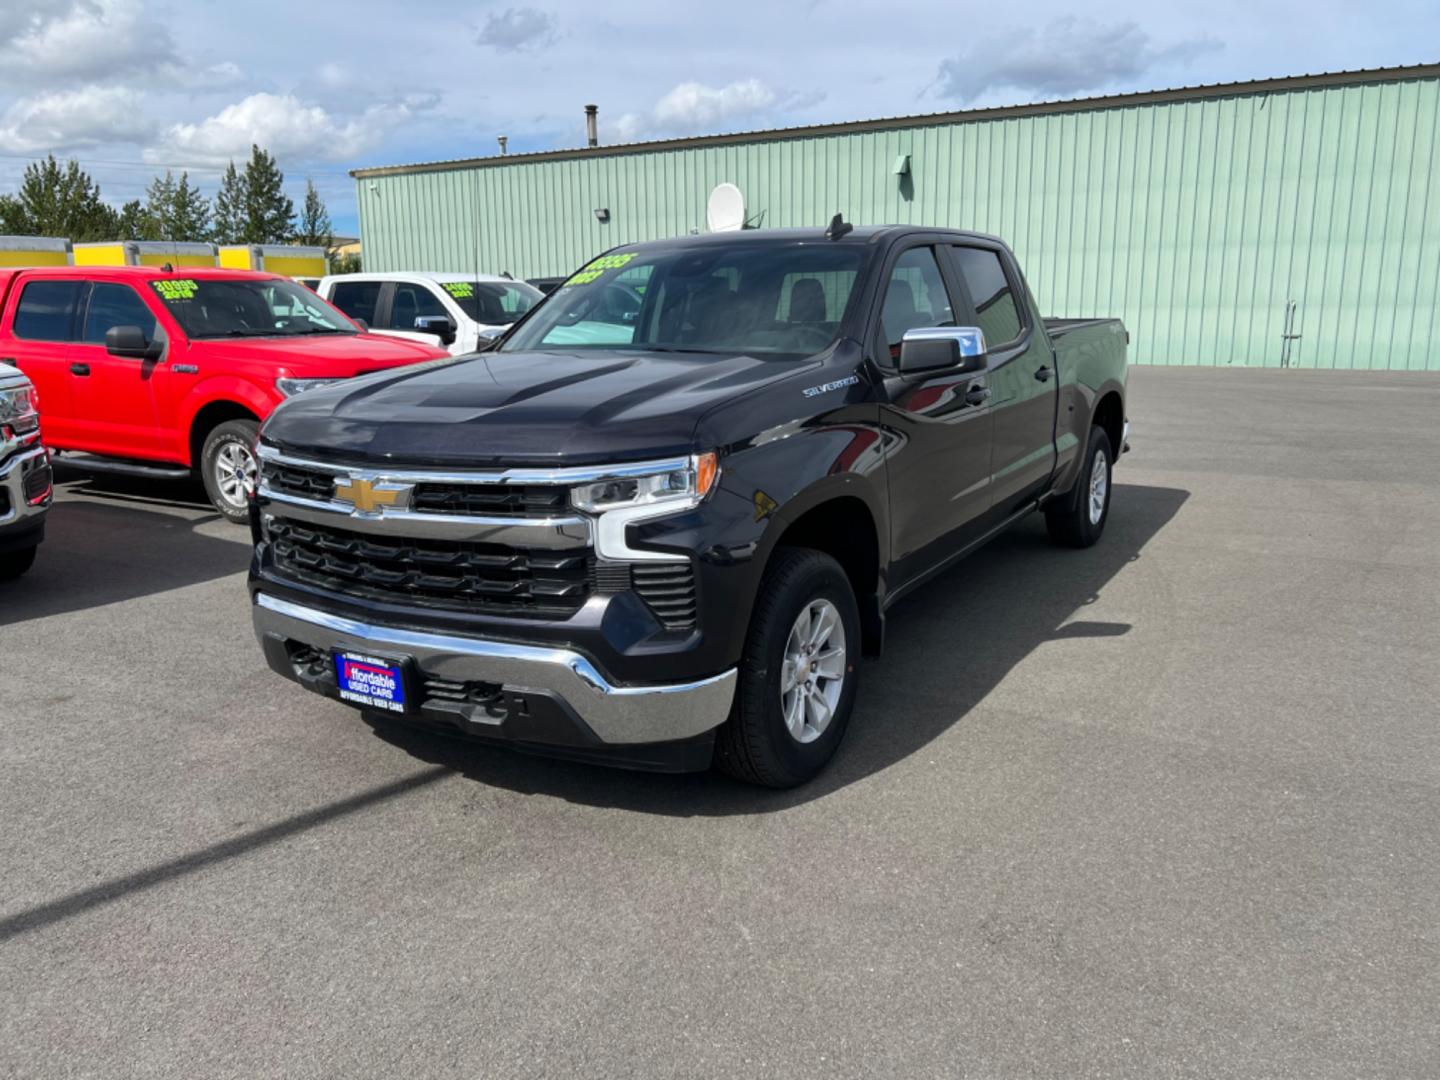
{"x":521,"y":408}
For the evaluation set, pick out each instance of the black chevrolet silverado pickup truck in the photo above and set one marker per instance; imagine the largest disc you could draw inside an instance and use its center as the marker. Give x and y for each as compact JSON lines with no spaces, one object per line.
{"x":661,"y":520}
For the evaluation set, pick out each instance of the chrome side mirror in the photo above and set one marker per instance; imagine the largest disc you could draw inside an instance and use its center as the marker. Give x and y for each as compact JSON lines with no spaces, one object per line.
{"x":933,"y":348}
{"x":442,"y":326}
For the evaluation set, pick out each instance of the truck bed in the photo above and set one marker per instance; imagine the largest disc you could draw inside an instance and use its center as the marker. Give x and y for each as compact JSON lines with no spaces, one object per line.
{"x":1058,"y":328}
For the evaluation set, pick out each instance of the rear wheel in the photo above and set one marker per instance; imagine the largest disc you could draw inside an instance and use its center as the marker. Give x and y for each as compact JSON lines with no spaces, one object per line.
{"x":229,"y":468}
{"x":797,"y":675}
{"x":15,"y":563}
{"x":1077,"y":519}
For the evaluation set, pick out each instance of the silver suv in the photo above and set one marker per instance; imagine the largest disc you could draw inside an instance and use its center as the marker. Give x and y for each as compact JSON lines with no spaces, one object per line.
{"x":25,"y":483}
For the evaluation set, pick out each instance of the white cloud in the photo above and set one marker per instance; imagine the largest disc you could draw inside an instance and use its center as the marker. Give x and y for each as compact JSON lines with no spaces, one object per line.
{"x":280,"y":123}
{"x":515,"y":29}
{"x":72,"y":119}
{"x":693,"y":108}
{"x":1068,"y":55}
{"x":54,"y":40}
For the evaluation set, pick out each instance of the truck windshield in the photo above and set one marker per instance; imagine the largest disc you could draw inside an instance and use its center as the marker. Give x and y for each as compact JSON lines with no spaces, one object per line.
{"x":779,"y":300}
{"x":493,"y":303}
{"x":257,"y":307}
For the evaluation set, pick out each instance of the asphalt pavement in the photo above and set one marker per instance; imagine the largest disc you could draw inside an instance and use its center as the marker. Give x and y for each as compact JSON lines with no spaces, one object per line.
{"x":1166,"y":807}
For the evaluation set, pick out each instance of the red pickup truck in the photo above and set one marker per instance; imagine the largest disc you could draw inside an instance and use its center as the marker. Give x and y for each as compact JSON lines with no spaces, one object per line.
{"x":165,"y":373}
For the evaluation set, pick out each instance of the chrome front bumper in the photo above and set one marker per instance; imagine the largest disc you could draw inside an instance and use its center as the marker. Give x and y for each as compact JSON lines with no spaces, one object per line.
{"x":615,"y":714}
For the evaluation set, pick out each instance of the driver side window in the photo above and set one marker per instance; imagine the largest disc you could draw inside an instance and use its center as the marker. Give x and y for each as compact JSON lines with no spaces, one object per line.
{"x":115,"y":305}
{"x":915,"y":297}
{"x":410,"y":303}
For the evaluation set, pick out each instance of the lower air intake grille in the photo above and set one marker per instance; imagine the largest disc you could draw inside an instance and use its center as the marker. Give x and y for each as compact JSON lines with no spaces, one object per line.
{"x":668,"y":589}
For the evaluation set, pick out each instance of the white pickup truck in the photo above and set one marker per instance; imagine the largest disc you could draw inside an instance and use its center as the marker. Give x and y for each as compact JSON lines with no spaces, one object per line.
{"x":461,"y":310}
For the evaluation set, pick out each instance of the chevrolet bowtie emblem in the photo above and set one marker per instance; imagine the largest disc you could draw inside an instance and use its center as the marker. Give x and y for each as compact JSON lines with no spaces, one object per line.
{"x":367,"y":496}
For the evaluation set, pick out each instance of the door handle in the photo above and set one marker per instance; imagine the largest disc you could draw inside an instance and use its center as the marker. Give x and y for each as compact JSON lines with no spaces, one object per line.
{"x":79,"y":369}
{"x":1044,"y":373}
{"x":977,"y":395}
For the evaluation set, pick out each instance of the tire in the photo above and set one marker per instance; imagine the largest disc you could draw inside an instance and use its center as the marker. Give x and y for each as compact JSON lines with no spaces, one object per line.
{"x":15,"y":563}
{"x":755,"y":744}
{"x":229,"y":449}
{"x":1076,"y":520}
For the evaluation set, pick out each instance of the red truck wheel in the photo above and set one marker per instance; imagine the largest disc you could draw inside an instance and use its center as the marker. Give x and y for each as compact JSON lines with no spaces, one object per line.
{"x":229,"y":468}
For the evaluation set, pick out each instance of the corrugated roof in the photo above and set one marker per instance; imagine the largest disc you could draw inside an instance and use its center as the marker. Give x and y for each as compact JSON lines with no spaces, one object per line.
{"x":960,"y":116}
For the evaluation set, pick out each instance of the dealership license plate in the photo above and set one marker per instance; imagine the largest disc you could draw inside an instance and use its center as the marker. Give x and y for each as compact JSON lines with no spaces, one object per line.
{"x":371,"y":682}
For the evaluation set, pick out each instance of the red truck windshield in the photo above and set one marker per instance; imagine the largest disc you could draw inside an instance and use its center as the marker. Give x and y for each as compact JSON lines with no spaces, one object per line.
{"x":216,"y":308}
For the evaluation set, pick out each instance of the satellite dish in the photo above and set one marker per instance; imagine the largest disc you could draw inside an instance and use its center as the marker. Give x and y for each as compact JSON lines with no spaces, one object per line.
{"x":725,"y":211}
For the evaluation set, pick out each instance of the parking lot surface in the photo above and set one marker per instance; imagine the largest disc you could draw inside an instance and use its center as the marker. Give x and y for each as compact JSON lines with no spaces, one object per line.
{"x":1166,"y":807}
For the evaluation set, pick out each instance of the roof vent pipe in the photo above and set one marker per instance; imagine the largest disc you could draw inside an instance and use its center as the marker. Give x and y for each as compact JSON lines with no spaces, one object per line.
{"x":592,"y":135}
{"x":502,"y":140}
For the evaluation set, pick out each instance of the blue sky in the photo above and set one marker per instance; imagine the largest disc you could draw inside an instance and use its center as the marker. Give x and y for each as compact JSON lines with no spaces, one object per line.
{"x":129,"y":86}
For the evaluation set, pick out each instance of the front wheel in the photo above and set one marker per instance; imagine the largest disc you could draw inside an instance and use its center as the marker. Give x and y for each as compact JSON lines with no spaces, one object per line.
{"x":229,"y":468}
{"x":797,"y":675}
{"x":1077,"y":519}
{"x":15,"y":563}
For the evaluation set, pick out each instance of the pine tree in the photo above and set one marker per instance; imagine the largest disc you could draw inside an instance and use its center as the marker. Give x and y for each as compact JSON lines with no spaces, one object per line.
{"x":269,"y":213}
{"x":133,"y":223}
{"x":56,"y":201}
{"x":189,"y":212}
{"x":159,"y":209}
{"x":228,"y":219}
{"x":315,"y":227}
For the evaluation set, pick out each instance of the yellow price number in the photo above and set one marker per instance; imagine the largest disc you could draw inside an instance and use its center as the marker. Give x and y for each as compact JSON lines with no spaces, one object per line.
{"x":176,"y":289}
{"x":595,"y":269}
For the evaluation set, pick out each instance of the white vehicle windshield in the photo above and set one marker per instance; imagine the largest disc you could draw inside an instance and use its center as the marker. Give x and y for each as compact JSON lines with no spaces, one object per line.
{"x":493,"y":303}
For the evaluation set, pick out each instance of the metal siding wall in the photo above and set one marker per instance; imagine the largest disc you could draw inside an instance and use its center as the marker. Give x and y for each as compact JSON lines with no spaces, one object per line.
{"x":1195,"y":221}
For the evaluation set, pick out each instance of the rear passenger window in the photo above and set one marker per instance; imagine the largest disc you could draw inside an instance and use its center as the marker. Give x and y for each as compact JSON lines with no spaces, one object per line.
{"x":357,"y":299}
{"x":115,"y":305}
{"x":46,"y":310}
{"x":996,"y":312}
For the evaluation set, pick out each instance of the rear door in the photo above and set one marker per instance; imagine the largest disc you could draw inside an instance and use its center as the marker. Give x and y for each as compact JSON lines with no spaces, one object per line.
{"x":117,"y":398}
{"x":939,"y":470}
{"x":1022,"y":377}
{"x":40,"y":320}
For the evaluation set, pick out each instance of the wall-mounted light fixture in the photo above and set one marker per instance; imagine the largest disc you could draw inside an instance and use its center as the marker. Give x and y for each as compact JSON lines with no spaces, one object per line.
{"x":602,"y":215}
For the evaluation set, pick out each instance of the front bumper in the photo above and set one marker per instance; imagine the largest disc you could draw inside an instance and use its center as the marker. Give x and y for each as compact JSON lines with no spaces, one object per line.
{"x":530,"y":694}
{"x":25,"y":496}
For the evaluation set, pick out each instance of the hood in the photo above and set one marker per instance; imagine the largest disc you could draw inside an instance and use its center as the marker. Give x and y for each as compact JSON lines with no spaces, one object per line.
{"x":521,"y":408}
{"x":319,"y":355}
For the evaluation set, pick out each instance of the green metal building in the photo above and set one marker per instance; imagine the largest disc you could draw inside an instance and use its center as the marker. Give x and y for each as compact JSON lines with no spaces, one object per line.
{"x":1287,"y":220}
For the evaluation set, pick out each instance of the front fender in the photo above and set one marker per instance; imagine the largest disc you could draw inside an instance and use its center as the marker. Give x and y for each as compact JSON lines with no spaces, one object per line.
{"x":766,"y":486}
{"x":222,"y":388}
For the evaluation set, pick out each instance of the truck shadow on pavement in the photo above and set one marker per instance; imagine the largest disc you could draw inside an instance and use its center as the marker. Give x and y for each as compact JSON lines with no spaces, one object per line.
{"x":100,"y":553}
{"x":947,"y":646}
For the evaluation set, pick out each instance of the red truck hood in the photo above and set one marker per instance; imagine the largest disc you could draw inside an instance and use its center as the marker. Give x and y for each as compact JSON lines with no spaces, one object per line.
{"x":319,"y":356}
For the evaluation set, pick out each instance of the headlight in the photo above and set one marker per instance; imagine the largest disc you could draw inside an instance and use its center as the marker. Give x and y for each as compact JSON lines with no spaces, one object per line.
{"x":683,"y":486}
{"x":291,"y":387}
{"x":17,"y":409}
